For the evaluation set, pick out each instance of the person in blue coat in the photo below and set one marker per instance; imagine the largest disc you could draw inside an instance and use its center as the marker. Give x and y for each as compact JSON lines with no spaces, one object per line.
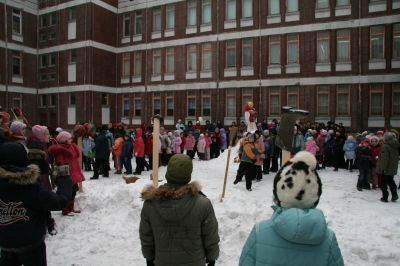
{"x":349,"y":147}
{"x":127,"y":151}
{"x":102,"y":153}
{"x":297,"y":233}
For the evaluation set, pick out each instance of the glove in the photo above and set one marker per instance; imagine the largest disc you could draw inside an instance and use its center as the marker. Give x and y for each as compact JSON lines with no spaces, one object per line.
{"x":210,"y":262}
{"x":62,"y":170}
{"x":135,"y":154}
{"x":262,"y":156}
{"x":150,"y":263}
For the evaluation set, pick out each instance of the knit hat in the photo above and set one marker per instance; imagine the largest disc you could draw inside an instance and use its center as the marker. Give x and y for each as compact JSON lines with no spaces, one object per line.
{"x":350,"y":137}
{"x":161,"y":128}
{"x":323,"y":132}
{"x":17,"y":127}
{"x":99,"y":129}
{"x":14,"y":153}
{"x":314,"y":132}
{"x":388,"y":136}
{"x":170,"y":134}
{"x":63,"y":137}
{"x":179,"y":120}
{"x":250,"y":135}
{"x":364,"y":141}
{"x":380,"y":132}
{"x":38,"y":133}
{"x":374,"y":138}
{"x":297,"y":184}
{"x":5,"y":116}
{"x":310,"y":138}
{"x":179,"y":170}
{"x":201,"y":135}
{"x":266,"y":131}
{"x":59,"y":129}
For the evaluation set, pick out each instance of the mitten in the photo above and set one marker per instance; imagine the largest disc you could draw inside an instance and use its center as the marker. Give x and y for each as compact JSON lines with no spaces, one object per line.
{"x":150,"y":263}
{"x":210,"y":262}
{"x":62,"y":170}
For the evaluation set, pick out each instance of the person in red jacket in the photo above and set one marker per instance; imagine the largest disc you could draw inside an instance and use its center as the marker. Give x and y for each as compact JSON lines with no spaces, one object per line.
{"x":183,"y":144}
{"x":138,"y":152}
{"x":66,"y":152}
{"x":149,"y":148}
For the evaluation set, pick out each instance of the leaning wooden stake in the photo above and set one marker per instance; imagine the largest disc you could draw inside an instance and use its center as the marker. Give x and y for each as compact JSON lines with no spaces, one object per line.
{"x":232,"y":135}
{"x":80,"y":161}
{"x":156,"y":141}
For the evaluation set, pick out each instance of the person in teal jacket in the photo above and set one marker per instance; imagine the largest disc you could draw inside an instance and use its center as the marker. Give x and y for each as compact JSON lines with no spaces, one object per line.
{"x":297,"y":233}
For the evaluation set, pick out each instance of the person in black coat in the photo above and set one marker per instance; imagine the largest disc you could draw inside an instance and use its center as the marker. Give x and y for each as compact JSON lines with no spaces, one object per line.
{"x":102,"y":153}
{"x":24,"y":203}
{"x":364,"y":164}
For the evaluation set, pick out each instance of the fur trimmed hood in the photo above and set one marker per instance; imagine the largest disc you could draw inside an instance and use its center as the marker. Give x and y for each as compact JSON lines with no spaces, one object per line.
{"x":37,"y":152}
{"x":23,"y":176}
{"x":170,"y":191}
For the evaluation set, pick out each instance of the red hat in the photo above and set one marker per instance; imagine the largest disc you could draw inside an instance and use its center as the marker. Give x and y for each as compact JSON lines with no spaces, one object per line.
{"x":364,"y":141}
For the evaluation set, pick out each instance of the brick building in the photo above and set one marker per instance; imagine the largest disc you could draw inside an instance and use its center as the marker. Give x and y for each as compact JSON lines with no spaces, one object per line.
{"x":64,"y":62}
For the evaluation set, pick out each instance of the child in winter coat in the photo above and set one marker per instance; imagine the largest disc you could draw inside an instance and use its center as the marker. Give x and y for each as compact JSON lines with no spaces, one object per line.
{"x":223,"y":137}
{"x":178,"y":142}
{"x":190,"y":142}
{"x":375,"y":148}
{"x":183,"y":144}
{"x":67,"y":152}
{"x":321,"y":142}
{"x":349,"y":148}
{"x":296,"y":229}
{"x":201,"y":147}
{"x":311,"y":147}
{"x":259,"y":162}
{"x":87,"y":145}
{"x":171,"y":144}
{"x":208,"y":144}
{"x":364,"y":164}
{"x":149,"y":148}
{"x":116,"y":149}
{"x":268,"y":151}
{"x":127,"y":151}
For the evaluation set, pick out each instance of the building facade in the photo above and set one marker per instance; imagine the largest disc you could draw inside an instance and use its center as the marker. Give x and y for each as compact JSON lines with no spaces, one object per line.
{"x":65,"y":62}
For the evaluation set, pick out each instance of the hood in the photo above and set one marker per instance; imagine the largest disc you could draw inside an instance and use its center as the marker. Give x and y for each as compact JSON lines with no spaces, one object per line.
{"x":351,"y":143}
{"x":222,"y":131}
{"x":394,"y":143}
{"x":170,"y":201}
{"x":299,"y":226}
{"x":138,"y":132}
{"x":20,"y":175}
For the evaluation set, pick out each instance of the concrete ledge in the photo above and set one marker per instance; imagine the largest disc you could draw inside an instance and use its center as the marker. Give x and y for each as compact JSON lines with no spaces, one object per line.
{"x":230,"y":72}
{"x":191,"y":75}
{"x":377,"y":7}
{"x":274,"y":19}
{"x":274,"y":69}
{"x":376,"y":121}
{"x":169,"y":33}
{"x":246,"y":22}
{"x":168,"y":76}
{"x":292,"y":17}
{"x":137,"y":38}
{"x":230,"y":24}
{"x":191,"y":30}
{"x":292,"y":68}
{"x":343,"y":66}
{"x":322,"y":13}
{"x":247,"y":71}
{"x":377,"y":64}
{"x":205,"y":28}
{"x":323,"y":67}
{"x":343,"y":11}
{"x":156,"y":35}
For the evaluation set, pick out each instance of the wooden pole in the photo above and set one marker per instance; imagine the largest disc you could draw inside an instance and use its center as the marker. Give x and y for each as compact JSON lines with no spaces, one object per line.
{"x":156,"y":153}
{"x":79,"y":139}
{"x":232,"y":134}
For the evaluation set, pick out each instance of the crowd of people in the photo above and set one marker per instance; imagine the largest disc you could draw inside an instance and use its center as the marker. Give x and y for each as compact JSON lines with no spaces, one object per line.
{"x":52,"y":158}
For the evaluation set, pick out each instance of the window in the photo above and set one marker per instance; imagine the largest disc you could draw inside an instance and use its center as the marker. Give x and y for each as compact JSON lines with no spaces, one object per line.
{"x":274,"y":50}
{"x":343,"y":100}
{"x":343,"y":45}
{"x":52,"y":59}
{"x":138,"y":64}
{"x":53,"y":18}
{"x":52,"y":76}
{"x":206,"y":12}
{"x":247,"y":52}
{"x":274,"y":101}
{"x":191,"y":97}
{"x":247,"y":9}
{"x":157,"y":19}
{"x":43,"y":21}
{"x":321,"y":4}
{"x":376,"y":96}
{"x":72,"y":13}
{"x":191,"y":13}
{"x":396,"y":99}
{"x":206,"y":64}
{"x":72,"y":56}
{"x":293,"y":97}
{"x":52,"y":36}
{"x":170,"y":16}
{"x":157,"y":61}
{"x":292,"y":6}
{"x":206,"y":103}
{"x":323,"y":46}
{"x":191,"y":55}
{"x":17,"y":100}
{"x":52,"y":99}
{"x":247,"y":97}
{"x":293,"y":48}
{"x":274,"y":7}
{"x":136,"y":101}
{"x":125,"y":104}
{"x":17,"y":63}
{"x":170,"y":103}
{"x":126,"y":64}
{"x":343,"y":2}
{"x":396,"y":41}
{"x":230,"y":54}
{"x":138,"y":22}
{"x":377,"y":43}
{"x":231,"y":102}
{"x":104,"y":99}
{"x":127,"y":24}
{"x":43,"y":60}
{"x":42,"y":77}
{"x":156,"y":103}
{"x":72,"y":98}
{"x":43,"y":100}
{"x":323,"y":100}
{"x":170,"y":60}
{"x":43,"y":37}
{"x":17,"y":21}
{"x":230,"y":9}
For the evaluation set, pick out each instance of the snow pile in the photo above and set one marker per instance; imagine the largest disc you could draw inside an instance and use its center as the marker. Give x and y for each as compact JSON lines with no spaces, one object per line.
{"x":107,"y":230}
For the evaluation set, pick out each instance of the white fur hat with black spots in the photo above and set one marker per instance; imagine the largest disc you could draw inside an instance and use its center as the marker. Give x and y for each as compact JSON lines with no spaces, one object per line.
{"x":297,"y":184}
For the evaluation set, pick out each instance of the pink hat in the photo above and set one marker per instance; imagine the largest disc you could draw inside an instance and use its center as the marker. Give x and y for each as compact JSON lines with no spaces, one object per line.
{"x":63,"y":137}
{"x":17,"y":127}
{"x":38,"y":133}
{"x":364,"y":141}
{"x":323,"y":131}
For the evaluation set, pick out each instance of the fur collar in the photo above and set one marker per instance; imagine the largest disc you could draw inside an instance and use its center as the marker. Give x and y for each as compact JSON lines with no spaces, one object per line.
{"x":25,"y":178}
{"x":165,"y":192}
{"x":37,"y":152}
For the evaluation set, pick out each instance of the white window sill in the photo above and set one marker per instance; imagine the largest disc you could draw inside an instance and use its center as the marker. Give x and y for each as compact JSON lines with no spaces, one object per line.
{"x":323,"y":13}
{"x":377,"y":6}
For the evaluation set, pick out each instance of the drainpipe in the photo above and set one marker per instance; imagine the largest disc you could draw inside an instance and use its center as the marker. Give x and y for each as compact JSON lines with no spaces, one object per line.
{"x":217,"y":71}
{"x":58,"y":77}
{"x":359,"y":69}
{"x":84,"y":73}
{"x":116,"y":68}
{"x":145,"y":68}
{"x":259,"y":55}
{"x":6,"y":35}
{"x":91,"y":65}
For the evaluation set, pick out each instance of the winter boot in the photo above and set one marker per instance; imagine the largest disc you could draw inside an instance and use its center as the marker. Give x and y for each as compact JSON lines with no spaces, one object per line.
{"x":89,"y":167}
{"x":71,"y":207}
{"x":66,"y":211}
{"x":394,"y":198}
{"x":118,"y":172}
{"x":51,"y":228}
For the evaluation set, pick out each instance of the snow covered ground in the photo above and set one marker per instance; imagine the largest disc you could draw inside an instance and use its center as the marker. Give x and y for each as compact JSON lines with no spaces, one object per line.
{"x":107,"y":230}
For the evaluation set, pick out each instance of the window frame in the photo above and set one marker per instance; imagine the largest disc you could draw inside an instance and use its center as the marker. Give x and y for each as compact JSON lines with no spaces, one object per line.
{"x":203,"y":5}
{"x":157,"y":23}
{"x":396,"y":31}
{"x":191,"y":94}
{"x":51,"y":36}
{"x":126,"y":57}
{"x":319,"y":8}
{"x":15,"y":56}
{"x":137,"y":55}
{"x":72,"y":56}
{"x":53,"y":99}
{"x":269,"y":50}
{"x":43,"y":21}
{"x":376,"y":91}
{"x":72,"y":98}
{"x":156,"y":55}
{"x":53,"y":19}
{"x":125,"y":98}
{"x":205,"y":94}
{"x":170,"y":8}
{"x":17,"y":97}
{"x":126,"y":17}
{"x":269,"y":7}
{"x":244,"y":46}
{"x":52,"y":57}
{"x":191,"y":4}
{"x":383,"y":39}
{"x":42,"y":38}
{"x":340,"y":89}
{"x":138,"y":17}
{"x":338,"y":39}
{"x":104,"y":99}
{"x":243,"y":9}
{"x":227,"y":11}
{"x":337,"y":3}
{"x":230,"y":93}
{"x":321,"y":92}
{"x":228,"y":47}
{"x":205,"y":50}
{"x":189,"y":51}
{"x":43,"y":100}
{"x":169,"y":96}
{"x":72,"y":13}
{"x":169,"y":52}
{"x":395,"y":90}
{"x":42,"y":77}
{"x":298,"y":47}
{"x":246,"y":92}
{"x":43,"y":60}
{"x":156,"y":97}
{"x":287,"y":6}
{"x":274,"y":91}
{"x":52,"y":76}
{"x":137,"y":99}
{"x":19,"y":17}
{"x":327,"y":39}
{"x":291,"y":92}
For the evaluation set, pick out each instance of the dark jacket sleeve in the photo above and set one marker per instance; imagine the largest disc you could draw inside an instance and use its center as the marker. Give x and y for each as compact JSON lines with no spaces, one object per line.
{"x":50,"y":201}
{"x":146,"y":236}
{"x":209,"y":234}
